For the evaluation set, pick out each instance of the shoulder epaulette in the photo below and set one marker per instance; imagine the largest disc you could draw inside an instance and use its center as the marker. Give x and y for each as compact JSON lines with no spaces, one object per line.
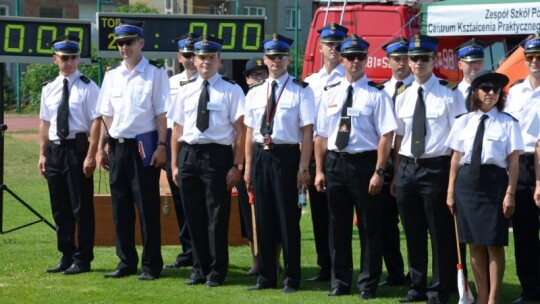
{"x":84,"y":79}
{"x":379,"y":86}
{"x":301,"y":83}
{"x":155,"y":63}
{"x":112,"y":67}
{"x":184,"y":82}
{"x":517,"y":82}
{"x":331,"y":85}
{"x":256,"y":84}
{"x":452,"y":86}
{"x":47,"y":82}
{"x":460,"y":115}
{"x":402,"y":88}
{"x":515,"y":119}
{"x":228,"y":80}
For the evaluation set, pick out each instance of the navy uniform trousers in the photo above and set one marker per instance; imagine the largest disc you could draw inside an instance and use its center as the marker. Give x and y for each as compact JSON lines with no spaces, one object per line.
{"x":134,"y":185}
{"x":347,"y":185}
{"x":72,"y":204}
{"x":421,"y":197}
{"x":207,"y":204}
{"x":274,"y":175}
{"x":526,"y":225}
{"x":183,"y":257}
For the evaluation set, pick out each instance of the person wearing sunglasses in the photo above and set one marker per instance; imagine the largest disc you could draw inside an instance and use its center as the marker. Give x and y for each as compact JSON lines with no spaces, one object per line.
{"x":426,"y":110}
{"x":471,"y":62}
{"x":207,"y":157}
{"x":279,"y":120}
{"x":331,"y":73}
{"x":396,"y":54}
{"x":69,"y":135}
{"x":132,"y":104}
{"x":355,"y":127}
{"x":482,"y":181}
{"x":522,"y":103}
{"x":176,"y":83}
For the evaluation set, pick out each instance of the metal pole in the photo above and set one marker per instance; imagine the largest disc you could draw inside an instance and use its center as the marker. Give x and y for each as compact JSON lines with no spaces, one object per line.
{"x":296,"y":57}
{"x":18,"y":69}
{"x":2,"y":68}
{"x":100,"y":67}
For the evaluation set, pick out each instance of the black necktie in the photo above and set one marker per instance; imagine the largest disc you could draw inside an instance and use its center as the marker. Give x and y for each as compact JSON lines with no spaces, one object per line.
{"x":398,"y":85}
{"x":476,"y":156}
{"x":418,"y":140}
{"x":467,"y":103}
{"x":266,"y":124}
{"x":62,"y":118}
{"x":203,"y":115}
{"x":344,"y":131}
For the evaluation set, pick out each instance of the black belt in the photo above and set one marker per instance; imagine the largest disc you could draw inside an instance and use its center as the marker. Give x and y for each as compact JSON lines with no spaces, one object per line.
{"x":123,"y":140}
{"x":277,"y":146}
{"x":63,"y":142}
{"x":424,"y":161}
{"x":347,"y":155}
{"x":528,"y":159}
{"x":203,"y":146}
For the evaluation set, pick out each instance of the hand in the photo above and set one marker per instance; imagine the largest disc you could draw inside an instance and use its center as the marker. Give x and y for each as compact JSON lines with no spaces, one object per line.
{"x":233,"y":177}
{"x":89,"y":165}
{"x":302,"y":179}
{"x":393,"y":187}
{"x":375,"y":184}
{"x":320,"y":182}
{"x":537,"y":197}
{"x":509,"y":205}
{"x":103,"y":159}
{"x":174,"y":172}
{"x":451,"y":203}
{"x":159,"y":157}
{"x":42,"y":165}
{"x":247,"y":178}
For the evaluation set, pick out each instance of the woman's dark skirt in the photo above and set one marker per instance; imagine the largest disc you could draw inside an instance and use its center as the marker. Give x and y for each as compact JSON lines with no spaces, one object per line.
{"x":479,"y":206}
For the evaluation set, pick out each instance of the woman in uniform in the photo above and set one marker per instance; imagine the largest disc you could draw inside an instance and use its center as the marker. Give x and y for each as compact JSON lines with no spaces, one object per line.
{"x":483,"y":177}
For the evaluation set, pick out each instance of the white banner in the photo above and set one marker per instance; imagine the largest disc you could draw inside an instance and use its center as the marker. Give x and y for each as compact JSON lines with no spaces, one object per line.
{"x":474,"y":20}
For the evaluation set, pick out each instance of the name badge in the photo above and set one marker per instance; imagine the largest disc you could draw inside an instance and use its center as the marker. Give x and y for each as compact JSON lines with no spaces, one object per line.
{"x":214,"y":106}
{"x":492,"y":136}
{"x":332,"y":105}
{"x":432,"y":113}
{"x":285,"y":104}
{"x":353,"y":112}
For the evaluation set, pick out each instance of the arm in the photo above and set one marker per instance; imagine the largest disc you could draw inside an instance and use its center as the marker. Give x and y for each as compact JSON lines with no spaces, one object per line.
{"x":321,"y":144}
{"x":509,"y":205}
{"x":160,"y":155}
{"x":90,"y":161}
{"x":102,"y":155}
{"x":177,"y":132}
{"x":234,"y":174}
{"x":43,"y":145}
{"x":383,"y":151}
{"x":302,"y":177}
{"x":454,"y":169}
{"x":397,"y":146}
{"x":249,"y":157}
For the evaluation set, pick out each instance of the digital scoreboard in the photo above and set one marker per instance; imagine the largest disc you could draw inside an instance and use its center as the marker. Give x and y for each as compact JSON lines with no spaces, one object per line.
{"x":24,"y":39}
{"x":242,"y":35}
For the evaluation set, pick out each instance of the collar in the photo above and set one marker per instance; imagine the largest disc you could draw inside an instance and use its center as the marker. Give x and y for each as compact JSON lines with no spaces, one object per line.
{"x":491,"y":113}
{"x":280,"y":81}
{"x":362,"y":82}
{"x":212,"y":80}
{"x":71,"y":78}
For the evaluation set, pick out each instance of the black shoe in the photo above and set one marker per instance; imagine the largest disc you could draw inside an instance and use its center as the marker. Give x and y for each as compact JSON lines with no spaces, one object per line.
{"x":194,"y":282}
{"x":212,"y":284}
{"x":409,"y":298}
{"x":288,"y":289}
{"x":392,"y":282}
{"x":434,"y":300}
{"x":146,"y":276}
{"x":320,"y":277}
{"x":179,"y":264}
{"x":259,"y":287}
{"x":336,"y":292}
{"x":58,"y":268}
{"x":252,"y":272}
{"x":523,"y":299}
{"x":76,"y":269}
{"x":118,"y":273}
{"x":366,"y":295}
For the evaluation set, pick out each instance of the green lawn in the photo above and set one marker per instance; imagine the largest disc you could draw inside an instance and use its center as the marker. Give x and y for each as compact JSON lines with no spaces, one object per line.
{"x":24,"y":254}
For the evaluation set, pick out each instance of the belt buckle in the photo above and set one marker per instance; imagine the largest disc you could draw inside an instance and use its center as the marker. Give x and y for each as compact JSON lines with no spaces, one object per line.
{"x":57,"y":142}
{"x":343,"y":155}
{"x":120,"y":140}
{"x":416,"y":161}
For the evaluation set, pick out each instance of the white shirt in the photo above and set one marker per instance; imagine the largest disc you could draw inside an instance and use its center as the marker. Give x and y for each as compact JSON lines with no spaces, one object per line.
{"x":294,"y":110}
{"x":442,"y":106}
{"x":134,"y":99}
{"x":321,"y":79}
{"x":82,"y":104}
{"x":174,"y":84}
{"x":371,"y":114}
{"x":524,"y":104}
{"x":501,"y":137}
{"x":226,"y":106}
{"x":390,"y":85}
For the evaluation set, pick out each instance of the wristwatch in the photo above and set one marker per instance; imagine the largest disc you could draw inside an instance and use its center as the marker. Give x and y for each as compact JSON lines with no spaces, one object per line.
{"x":239,"y":166}
{"x":161,"y":143}
{"x":380,"y":171}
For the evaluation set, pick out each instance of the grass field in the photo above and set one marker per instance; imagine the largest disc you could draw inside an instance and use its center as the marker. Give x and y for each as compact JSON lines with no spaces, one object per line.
{"x":25,"y":253}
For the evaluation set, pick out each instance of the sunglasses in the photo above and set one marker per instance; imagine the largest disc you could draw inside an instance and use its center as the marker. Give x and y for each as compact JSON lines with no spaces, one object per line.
{"x":420,"y":58}
{"x":530,"y":58}
{"x":487,"y":88}
{"x":258,"y":75}
{"x":187,"y":55}
{"x":126,"y":42}
{"x":352,"y":57}
{"x":278,"y":56}
{"x":68,"y":57}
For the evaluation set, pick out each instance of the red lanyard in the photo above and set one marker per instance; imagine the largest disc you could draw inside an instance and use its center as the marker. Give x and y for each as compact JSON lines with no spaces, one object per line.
{"x":270,"y":117}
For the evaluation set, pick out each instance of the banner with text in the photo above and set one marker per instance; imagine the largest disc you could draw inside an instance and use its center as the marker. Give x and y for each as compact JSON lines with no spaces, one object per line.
{"x":476,"y":19}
